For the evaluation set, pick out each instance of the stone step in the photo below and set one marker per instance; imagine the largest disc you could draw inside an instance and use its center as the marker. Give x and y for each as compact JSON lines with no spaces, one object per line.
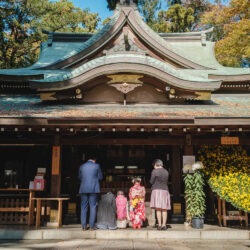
{"x":130,"y":234}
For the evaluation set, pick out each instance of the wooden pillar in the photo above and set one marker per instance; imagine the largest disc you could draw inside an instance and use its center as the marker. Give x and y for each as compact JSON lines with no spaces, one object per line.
{"x":56,"y":169}
{"x":188,"y":149}
{"x":75,"y":163}
{"x":176,"y":173}
{"x":219,"y":210}
{"x":31,"y":208}
{"x":176,"y":201}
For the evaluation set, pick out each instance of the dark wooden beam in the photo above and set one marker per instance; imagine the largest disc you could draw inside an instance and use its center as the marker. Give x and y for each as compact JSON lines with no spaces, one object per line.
{"x":191,"y":122}
{"x":217,"y":140}
{"x":188,"y":148}
{"x":176,"y":173}
{"x":42,"y":140}
{"x":55,"y":189}
{"x":78,"y":140}
{"x":89,"y":121}
{"x":122,"y":141}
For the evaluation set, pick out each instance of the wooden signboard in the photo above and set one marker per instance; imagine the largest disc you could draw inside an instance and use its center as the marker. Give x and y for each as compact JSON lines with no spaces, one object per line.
{"x":177,"y":208}
{"x":230,"y":140}
{"x":56,"y":160}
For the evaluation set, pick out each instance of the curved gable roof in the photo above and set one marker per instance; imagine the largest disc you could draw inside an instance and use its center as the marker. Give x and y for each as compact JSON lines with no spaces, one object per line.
{"x":54,"y":72}
{"x":120,"y":18}
{"x":125,"y":63}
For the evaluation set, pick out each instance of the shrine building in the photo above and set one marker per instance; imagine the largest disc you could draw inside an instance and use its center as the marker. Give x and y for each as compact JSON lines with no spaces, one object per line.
{"x":126,"y":93}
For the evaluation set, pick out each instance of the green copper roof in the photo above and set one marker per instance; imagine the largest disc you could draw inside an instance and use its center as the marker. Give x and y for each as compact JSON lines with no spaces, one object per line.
{"x":137,"y":59}
{"x":26,"y":72}
{"x":193,"y":51}
{"x":222,"y":71}
{"x":196,"y":52}
{"x":56,"y":54}
{"x":61,"y":75}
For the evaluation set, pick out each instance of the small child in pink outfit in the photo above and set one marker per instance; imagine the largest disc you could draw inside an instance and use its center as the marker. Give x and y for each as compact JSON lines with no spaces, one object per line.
{"x":122,"y":208}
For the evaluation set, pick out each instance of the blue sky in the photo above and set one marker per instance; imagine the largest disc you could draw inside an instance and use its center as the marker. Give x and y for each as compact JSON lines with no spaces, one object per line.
{"x":100,"y":6}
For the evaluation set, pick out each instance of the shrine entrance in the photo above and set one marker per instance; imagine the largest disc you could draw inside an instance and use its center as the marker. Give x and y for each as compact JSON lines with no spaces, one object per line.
{"x":119,"y":164}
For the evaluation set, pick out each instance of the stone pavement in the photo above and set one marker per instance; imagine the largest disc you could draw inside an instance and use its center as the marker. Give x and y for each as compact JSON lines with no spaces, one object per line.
{"x":92,"y":244}
{"x":177,"y":231}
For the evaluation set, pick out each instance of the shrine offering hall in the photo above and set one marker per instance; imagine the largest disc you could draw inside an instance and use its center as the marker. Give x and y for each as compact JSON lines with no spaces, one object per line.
{"x":128,"y":95}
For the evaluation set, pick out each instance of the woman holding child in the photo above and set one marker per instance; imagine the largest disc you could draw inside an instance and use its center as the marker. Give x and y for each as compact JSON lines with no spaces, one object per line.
{"x":137,"y":203}
{"x":160,"y":198}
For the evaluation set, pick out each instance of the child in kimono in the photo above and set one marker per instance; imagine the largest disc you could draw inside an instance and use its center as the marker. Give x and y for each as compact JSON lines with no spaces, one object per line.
{"x":137,"y":204}
{"x":121,"y":205}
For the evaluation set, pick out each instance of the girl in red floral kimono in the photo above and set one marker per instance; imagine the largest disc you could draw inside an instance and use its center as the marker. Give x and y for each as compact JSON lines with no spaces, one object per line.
{"x":137,"y":204}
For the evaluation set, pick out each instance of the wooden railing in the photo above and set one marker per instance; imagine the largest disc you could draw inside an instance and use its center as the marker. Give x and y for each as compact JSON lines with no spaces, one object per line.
{"x":225,"y":217}
{"x":19,"y":209}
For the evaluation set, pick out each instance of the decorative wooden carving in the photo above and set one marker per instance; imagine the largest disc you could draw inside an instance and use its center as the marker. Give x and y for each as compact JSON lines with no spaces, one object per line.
{"x":201,"y":95}
{"x":48,"y":96}
{"x":125,"y":87}
{"x":125,"y":78}
{"x":126,"y":45}
{"x":125,"y":83}
{"x":174,"y":94}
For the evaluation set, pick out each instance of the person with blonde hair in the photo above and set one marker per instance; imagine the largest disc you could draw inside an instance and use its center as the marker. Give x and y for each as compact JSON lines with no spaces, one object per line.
{"x":137,"y":203}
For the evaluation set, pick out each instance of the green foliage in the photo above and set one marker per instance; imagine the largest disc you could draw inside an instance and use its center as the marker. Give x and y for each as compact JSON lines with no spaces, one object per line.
{"x":233,"y":50}
{"x":149,"y":10}
{"x":112,"y":3}
{"x":232,"y":28}
{"x":198,"y":7}
{"x":195,"y":196}
{"x":21,"y":23}
{"x":64,"y":17}
{"x":181,"y":16}
{"x":173,"y":2}
{"x":185,"y":14}
{"x":176,"y":19}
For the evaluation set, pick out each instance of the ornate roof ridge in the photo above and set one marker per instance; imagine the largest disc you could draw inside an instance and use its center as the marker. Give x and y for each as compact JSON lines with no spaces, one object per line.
{"x":195,"y":33}
{"x":126,"y":3}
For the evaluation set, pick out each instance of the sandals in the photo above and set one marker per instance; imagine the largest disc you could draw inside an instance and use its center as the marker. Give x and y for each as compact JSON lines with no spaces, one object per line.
{"x":136,"y":226}
{"x":160,"y":228}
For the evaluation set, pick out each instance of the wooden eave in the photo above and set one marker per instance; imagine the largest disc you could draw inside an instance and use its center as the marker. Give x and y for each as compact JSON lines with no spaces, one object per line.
{"x":21,"y":78}
{"x":73,"y":140}
{"x":26,"y":122}
{"x":231,"y":78}
{"x":116,"y":66}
